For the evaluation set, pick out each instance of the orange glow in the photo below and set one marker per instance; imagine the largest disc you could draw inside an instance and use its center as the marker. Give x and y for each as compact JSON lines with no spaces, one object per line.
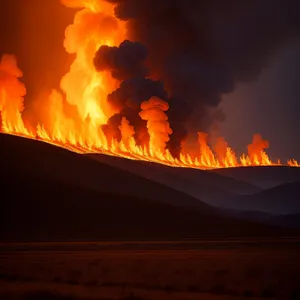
{"x":86,"y":90}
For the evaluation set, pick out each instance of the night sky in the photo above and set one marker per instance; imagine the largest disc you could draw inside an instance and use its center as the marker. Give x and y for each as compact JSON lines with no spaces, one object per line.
{"x":270,"y":105}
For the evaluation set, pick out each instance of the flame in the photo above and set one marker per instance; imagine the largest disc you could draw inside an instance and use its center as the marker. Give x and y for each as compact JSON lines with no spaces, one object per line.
{"x":86,"y":89}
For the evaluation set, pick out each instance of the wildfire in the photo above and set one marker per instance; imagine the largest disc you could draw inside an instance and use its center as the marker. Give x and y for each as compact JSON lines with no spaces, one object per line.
{"x":87,"y":89}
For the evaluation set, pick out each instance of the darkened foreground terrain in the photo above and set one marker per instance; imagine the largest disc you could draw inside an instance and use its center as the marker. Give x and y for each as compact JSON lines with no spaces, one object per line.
{"x":52,"y":195}
{"x":49,"y":193}
{"x":210,"y":270}
{"x":38,"y":209}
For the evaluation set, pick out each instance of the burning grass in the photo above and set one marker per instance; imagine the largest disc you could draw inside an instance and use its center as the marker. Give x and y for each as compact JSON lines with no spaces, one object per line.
{"x":102,"y":119}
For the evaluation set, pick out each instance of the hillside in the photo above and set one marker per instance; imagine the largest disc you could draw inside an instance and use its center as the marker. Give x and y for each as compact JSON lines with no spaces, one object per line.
{"x":43,"y":210}
{"x":290,"y":220}
{"x":33,"y":159}
{"x":207,"y":186}
{"x":52,"y":194}
{"x":264,"y":177}
{"x":282,"y":199}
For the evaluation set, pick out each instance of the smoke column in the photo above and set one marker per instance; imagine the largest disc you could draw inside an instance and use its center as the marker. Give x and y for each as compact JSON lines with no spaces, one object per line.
{"x":127,"y":63}
{"x":153,"y":111}
{"x":202,"y":49}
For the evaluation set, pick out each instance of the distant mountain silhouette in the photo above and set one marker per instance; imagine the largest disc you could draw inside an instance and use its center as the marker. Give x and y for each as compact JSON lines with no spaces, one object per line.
{"x":207,"y":186}
{"x":52,"y":194}
{"x":283,"y":199}
{"x":264,"y":177}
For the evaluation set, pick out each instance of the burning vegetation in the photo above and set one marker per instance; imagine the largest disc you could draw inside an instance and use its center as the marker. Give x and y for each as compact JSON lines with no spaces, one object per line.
{"x":111,"y":101}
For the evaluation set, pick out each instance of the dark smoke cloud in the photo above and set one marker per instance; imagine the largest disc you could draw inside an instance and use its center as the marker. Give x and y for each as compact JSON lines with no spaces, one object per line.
{"x":127,"y":63}
{"x":178,"y":114}
{"x":124,"y":62}
{"x":201,"y":49}
{"x":128,"y":99}
{"x":111,"y":129}
{"x":132,"y":92}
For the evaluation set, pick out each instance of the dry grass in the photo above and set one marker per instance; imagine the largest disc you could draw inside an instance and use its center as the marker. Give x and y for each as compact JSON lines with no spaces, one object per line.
{"x":248,"y":273}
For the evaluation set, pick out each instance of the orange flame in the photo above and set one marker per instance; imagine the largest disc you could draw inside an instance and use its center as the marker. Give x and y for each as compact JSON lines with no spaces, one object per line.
{"x":86,"y":89}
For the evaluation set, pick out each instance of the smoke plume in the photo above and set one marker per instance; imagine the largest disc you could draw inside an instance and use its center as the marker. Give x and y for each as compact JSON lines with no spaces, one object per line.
{"x":153,"y":111}
{"x":124,"y":62}
{"x":202,"y":49}
{"x":127,"y":63}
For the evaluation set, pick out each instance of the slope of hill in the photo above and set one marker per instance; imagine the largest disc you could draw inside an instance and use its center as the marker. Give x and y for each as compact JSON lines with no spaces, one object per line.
{"x":29,"y":158}
{"x":50,"y":193}
{"x":283,"y":199}
{"x":207,"y":186}
{"x":290,"y":220}
{"x":282,"y":220}
{"x":40,"y":209}
{"x":264,"y":177}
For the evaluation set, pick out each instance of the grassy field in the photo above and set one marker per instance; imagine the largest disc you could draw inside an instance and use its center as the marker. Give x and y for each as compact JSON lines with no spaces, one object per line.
{"x":192,"y":270}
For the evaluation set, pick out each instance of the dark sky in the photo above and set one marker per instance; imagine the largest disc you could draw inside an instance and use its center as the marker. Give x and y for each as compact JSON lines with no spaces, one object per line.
{"x":270,"y":106}
{"x":35,"y":32}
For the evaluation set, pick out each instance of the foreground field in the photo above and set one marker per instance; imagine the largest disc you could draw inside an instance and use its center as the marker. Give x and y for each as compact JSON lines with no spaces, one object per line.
{"x":192,"y":270}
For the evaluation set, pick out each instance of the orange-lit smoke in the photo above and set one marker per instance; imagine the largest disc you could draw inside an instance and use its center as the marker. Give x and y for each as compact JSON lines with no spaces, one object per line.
{"x":153,"y":111}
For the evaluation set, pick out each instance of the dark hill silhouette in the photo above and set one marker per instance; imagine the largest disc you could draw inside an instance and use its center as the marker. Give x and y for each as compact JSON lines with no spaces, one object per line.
{"x":282,"y":220}
{"x":290,"y":220}
{"x":39,"y":209}
{"x":207,"y":186}
{"x":50,"y":193}
{"x":30,"y":158}
{"x":283,"y":199}
{"x":264,"y":177}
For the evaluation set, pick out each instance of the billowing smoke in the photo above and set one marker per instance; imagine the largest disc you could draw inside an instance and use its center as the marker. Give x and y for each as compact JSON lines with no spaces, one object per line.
{"x":127,"y":63}
{"x":124,"y":62}
{"x":153,"y":111}
{"x":201,"y":49}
